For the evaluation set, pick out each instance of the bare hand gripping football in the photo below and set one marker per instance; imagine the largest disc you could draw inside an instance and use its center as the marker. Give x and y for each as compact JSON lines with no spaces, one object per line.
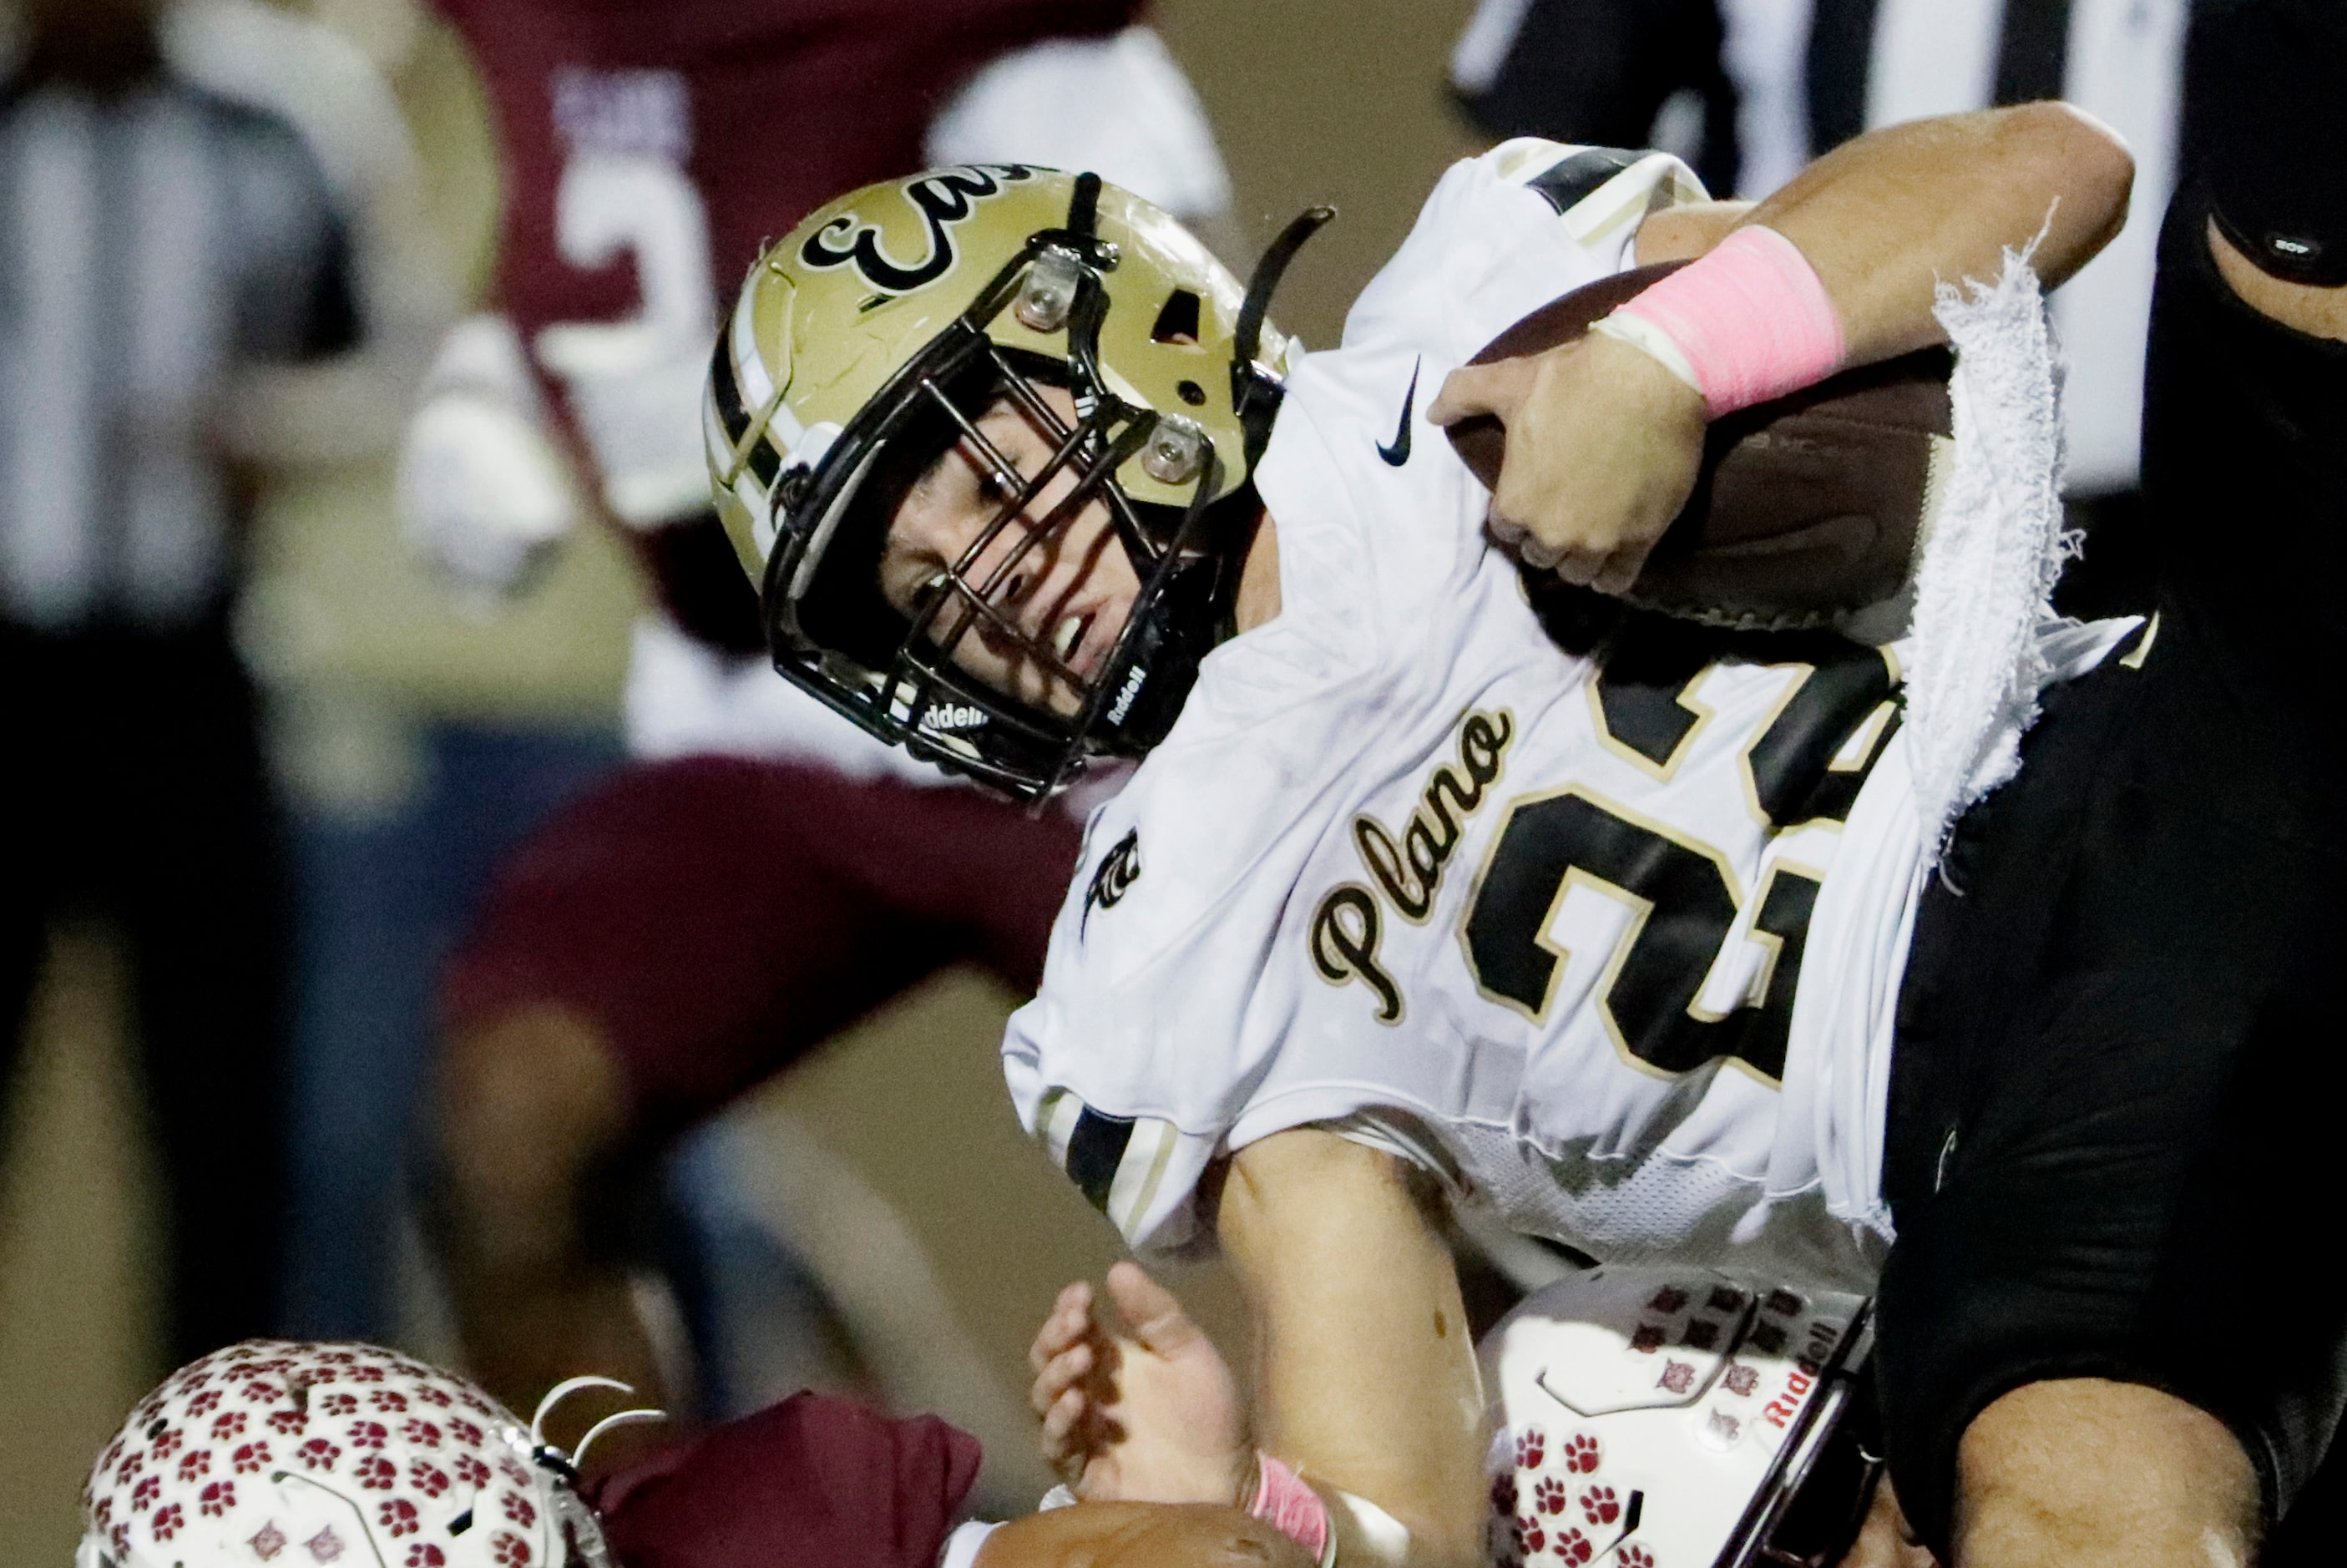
{"x":1806,"y":509}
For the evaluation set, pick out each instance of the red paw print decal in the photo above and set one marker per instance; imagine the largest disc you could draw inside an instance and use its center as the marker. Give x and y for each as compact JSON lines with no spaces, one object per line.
{"x":519,"y":1511}
{"x":422,"y":1434}
{"x":508,"y":1550}
{"x":1532,"y":1446}
{"x":1549,"y":1496}
{"x":168,"y":1520}
{"x":169,"y":1442}
{"x":196,"y":1465}
{"x":377,"y":1473}
{"x":216,"y":1499}
{"x":205,"y":1403}
{"x":230,"y":1425}
{"x":471,"y":1472}
{"x":132,"y":1463}
{"x":369,"y":1434}
{"x":511,"y":1469}
{"x":426,"y":1556}
{"x":261,"y":1392}
{"x":1635,"y":1557}
{"x":1580,"y":1453}
{"x":398,"y":1517}
{"x":465,"y":1432}
{"x":389,"y":1401}
{"x":288,"y":1422}
{"x":1529,"y":1536}
{"x":148,"y":1489}
{"x":317,"y":1454}
{"x":427,"y":1479}
{"x":250,"y":1458}
{"x":1574,"y":1547}
{"x":436,"y":1398}
{"x":1600,"y":1506}
{"x":366,"y":1374}
{"x":340,"y":1404}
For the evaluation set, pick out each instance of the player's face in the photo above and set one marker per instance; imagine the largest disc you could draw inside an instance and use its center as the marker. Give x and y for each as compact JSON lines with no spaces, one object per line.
{"x":1140,"y":1535}
{"x":1071,"y":593}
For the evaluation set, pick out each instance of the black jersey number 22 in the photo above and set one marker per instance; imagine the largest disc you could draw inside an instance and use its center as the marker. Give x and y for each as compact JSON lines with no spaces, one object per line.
{"x":1682,"y":902}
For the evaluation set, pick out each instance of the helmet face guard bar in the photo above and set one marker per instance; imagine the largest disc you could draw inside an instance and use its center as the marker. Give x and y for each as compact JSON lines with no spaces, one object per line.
{"x":919,"y":697}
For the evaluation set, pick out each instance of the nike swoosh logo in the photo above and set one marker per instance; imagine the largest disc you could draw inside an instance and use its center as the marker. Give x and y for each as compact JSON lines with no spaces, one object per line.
{"x":1399,"y":452}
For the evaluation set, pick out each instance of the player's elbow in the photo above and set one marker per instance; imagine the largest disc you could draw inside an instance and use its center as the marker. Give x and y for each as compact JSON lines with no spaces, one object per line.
{"x":2082,"y":159}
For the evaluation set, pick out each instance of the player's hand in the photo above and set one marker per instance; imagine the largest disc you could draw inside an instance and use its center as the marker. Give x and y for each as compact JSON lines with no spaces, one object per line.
{"x":1603,"y":445}
{"x":1143,"y":1412}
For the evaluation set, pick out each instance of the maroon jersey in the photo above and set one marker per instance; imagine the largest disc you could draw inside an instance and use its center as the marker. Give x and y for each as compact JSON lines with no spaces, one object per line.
{"x":771,"y":108}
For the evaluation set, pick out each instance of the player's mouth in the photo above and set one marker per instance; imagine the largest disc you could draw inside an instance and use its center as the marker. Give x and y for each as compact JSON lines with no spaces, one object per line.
{"x":1083,"y":638}
{"x":1069,"y":637}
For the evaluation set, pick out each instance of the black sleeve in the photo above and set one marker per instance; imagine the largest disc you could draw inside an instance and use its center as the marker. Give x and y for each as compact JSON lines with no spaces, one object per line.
{"x":2244,"y":422}
{"x":298,"y":291}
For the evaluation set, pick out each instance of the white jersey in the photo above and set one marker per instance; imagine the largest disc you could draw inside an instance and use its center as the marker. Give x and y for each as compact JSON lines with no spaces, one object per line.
{"x":1614,"y":949}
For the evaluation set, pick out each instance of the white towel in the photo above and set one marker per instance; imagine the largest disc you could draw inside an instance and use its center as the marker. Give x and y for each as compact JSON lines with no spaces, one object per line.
{"x":1983,"y":594}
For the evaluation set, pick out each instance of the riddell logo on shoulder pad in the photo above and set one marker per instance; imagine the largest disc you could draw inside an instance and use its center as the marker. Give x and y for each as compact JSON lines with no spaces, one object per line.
{"x":950,"y":717}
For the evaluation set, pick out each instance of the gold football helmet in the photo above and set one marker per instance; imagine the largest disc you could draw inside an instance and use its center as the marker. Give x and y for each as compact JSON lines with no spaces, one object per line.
{"x":874,"y":336}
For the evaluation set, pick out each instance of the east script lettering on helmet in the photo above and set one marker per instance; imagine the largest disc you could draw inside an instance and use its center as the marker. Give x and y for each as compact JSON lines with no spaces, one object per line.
{"x":943,"y":199}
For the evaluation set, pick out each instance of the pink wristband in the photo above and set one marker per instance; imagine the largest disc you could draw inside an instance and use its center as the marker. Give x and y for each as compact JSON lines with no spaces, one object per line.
{"x":1751,"y":318}
{"x":1283,"y":1502}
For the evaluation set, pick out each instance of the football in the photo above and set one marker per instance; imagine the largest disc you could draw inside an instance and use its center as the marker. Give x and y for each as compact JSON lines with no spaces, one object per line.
{"x":1806,"y":509}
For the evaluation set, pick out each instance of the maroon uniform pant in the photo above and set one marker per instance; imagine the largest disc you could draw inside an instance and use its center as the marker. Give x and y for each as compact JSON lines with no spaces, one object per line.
{"x":717,"y":916}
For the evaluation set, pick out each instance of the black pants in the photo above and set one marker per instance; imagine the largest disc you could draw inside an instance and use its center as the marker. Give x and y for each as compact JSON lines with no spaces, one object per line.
{"x":134,"y":787}
{"x":2112,"y":1146}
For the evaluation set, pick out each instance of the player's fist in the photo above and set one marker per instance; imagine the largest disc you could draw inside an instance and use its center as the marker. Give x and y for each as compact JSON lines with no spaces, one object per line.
{"x":1138,"y":1410}
{"x":1604,"y":447}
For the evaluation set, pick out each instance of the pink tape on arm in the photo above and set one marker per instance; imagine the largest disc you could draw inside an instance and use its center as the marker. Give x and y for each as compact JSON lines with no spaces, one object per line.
{"x":1751,"y":318}
{"x":1284,"y":1502}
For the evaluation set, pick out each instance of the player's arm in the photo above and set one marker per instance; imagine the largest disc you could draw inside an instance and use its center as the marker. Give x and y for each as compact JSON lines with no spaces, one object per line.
{"x":1886,"y":218}
{"x":1604,"y":440}
{"x":2308,"y":308}
{"x":1366,"y":1378}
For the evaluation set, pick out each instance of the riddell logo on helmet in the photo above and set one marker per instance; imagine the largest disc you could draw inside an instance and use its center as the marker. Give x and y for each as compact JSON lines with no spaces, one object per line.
{"x":1132,"y":684}
{"x":954,"y":718}
{"x":942,"y":199}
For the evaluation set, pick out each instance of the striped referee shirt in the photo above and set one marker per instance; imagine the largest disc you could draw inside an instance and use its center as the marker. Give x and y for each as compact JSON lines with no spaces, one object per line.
{"x":1796,"y":78}
{"x":151,"y":245}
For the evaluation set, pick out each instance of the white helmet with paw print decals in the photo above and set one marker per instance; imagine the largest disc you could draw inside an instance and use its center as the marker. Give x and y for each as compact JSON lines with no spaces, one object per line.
{"x":304,"y":1455}
{"x":1676,"y":1417}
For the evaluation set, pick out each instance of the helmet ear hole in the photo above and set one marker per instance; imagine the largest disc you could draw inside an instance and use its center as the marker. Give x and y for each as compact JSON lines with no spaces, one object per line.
{"x":1177,"y":319}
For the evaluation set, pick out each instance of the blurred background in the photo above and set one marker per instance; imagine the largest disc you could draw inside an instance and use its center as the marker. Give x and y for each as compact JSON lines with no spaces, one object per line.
{"x":414,"y":731}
